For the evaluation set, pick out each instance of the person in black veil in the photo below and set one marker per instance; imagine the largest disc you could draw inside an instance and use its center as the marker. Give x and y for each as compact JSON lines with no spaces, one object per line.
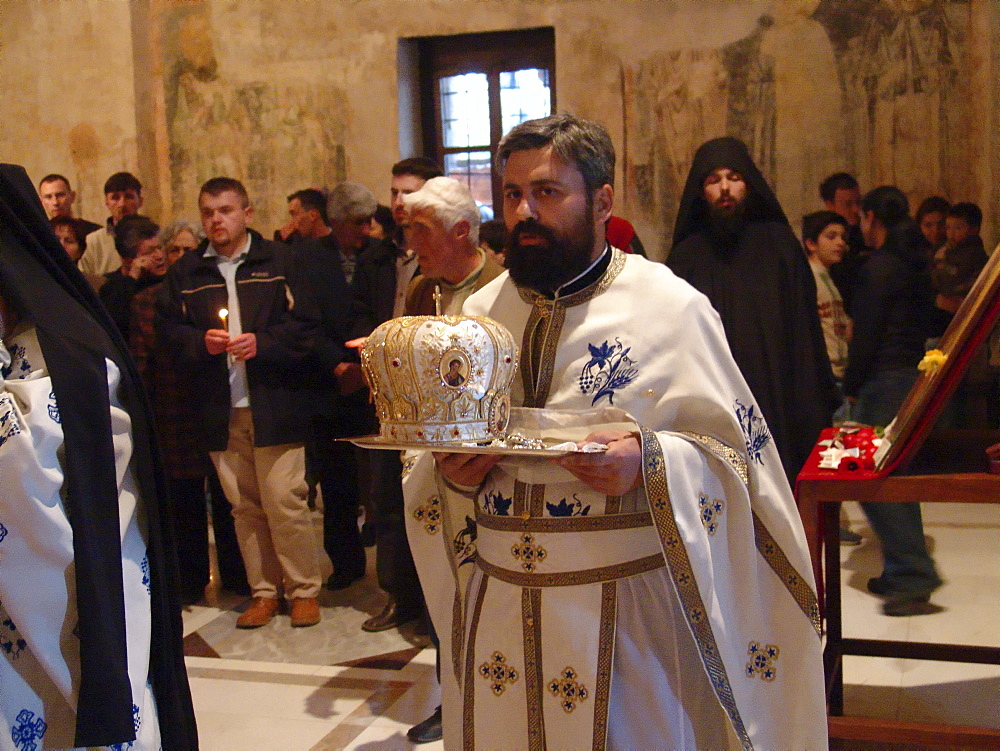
{"x":88,"y":582}
{"x":733,"y":243}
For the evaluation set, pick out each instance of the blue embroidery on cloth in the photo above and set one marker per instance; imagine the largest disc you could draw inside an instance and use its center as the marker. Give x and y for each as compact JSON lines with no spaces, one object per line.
{"x":609,"y":369}
{"x":3,"y":532}
{"x":568,"y":509}
{"x":145,"y":574}
{"x":755,"y":431}
{"x":18,"y":364}
{"x":27,"y":730}
{"x":495,"y":504}
{"x":9,"y":424}
{"x":465,"y":542}
{"x":54,"y":408}
{"x":11,"y":642}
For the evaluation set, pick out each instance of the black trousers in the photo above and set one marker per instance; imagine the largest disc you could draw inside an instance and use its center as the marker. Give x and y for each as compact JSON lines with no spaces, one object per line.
{"x":397,"y":574}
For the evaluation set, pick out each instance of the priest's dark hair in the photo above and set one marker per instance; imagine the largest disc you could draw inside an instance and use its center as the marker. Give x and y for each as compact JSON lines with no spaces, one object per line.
{"x":120,"y":182}
{"x":837,"y":181}
{"x":814,"y":224}
{"x":131,"y":231}
{"x":889,"y":205}
{"x":970,"y":212}
{"x":581,"y":143}
{"x":219,"y":185}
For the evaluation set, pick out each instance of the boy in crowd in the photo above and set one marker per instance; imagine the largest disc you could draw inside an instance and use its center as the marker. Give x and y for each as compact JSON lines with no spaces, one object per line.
{"x":824,"y":234}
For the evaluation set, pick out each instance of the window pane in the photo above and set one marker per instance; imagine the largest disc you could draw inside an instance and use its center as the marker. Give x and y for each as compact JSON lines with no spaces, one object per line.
{"x":465,"y":110}
{"x":473,"y":169}
{"x":524,"y":95}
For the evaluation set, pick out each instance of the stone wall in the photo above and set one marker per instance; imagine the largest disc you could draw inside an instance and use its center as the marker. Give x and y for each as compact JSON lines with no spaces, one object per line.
{"x":289,"y":94}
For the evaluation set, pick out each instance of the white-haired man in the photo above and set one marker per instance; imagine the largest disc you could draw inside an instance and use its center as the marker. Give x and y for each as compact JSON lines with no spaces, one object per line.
{"x":442,"y":228}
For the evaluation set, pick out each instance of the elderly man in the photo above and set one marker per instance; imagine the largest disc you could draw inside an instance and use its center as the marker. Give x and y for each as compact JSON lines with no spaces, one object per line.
{"x":248,"y":362}
{"x":442,"y":228}
{"x":677,"y":626}
{"x":732,"y":242}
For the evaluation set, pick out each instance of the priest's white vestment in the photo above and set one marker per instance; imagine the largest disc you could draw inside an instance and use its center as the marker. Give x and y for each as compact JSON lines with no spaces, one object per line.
{"x":680,"y":615}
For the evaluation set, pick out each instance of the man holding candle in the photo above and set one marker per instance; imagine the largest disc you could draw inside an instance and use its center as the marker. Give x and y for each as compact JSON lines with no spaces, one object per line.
{"x":239,"y":318}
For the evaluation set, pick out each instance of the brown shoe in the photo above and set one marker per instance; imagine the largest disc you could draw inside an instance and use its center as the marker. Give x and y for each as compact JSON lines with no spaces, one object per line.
{"x":305,"y":611}
{"x":390,"y":617}
{"x":260,"y":613}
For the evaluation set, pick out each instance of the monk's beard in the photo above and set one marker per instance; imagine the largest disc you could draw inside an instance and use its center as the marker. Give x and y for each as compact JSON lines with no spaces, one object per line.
{"x":727,"y":222}
{"x":544,"y":268}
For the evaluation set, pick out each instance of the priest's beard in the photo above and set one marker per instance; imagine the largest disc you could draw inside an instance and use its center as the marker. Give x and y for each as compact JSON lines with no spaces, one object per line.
{"x":562,"y":257}
{"x":727,"y":223}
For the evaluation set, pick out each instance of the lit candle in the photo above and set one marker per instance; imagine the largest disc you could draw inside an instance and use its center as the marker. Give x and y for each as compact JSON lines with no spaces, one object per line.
{"x":224,"y":315}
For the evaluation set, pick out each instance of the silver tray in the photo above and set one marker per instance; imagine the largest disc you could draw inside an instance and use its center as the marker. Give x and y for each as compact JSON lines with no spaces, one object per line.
{"x":379,"y":442}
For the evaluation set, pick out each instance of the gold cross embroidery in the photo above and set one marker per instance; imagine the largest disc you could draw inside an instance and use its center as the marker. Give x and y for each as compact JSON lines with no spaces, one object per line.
{"x":499,"y":672}
{"x":762,"y":661}
{"x":430,"y":515}
{"x":567,"y":690}
{"x":528,"y":553}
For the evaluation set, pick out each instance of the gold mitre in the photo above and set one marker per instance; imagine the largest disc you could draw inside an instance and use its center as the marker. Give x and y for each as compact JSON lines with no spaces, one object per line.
{"x":441,"y":378}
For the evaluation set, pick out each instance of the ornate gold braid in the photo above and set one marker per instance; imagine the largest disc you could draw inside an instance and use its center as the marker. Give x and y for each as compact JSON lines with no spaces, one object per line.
{"x":469,"y":710}
{"x":531,"y":616}
{"x":605,"y":660}
{"x":801,"y":592}
{"x":537,"y":385}
{"x":599,"y":523}
{"x":682,"y":575}
{"x":727,"y":453}
{"x":571,"y":578}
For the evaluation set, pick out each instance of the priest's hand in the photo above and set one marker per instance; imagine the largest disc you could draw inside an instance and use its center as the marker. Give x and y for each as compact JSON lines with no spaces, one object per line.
{"x":614,"y":472}
{"x":467,"y":470}
{"x":216,"y":341}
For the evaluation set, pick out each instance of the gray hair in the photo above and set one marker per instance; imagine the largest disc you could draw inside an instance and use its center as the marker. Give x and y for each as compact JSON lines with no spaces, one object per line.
{"x":450,"y":202}
{"x":170,"y":232}
{"x":350,"y":201}
{"x":584,"y":144}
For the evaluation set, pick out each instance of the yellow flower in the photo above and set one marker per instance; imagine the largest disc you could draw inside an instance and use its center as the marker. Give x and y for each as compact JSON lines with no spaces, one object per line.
{"x":933,"y":360}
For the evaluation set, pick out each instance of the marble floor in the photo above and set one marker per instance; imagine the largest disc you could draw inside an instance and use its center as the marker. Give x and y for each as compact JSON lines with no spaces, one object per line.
{"x":333,"y":686}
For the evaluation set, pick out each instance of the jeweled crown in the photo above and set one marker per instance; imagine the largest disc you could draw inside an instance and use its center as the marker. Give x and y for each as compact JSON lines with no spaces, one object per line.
{"x":441,"y":378}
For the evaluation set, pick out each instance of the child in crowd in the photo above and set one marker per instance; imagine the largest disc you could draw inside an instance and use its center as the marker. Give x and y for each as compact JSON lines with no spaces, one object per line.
{"x":825,"y":236}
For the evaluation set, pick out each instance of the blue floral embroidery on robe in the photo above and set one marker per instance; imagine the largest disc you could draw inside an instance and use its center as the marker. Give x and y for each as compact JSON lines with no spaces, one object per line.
{"x":563,"y":508}
{"x":609,"y":370}
{"x":54,"y":408}
{"x":27,"y":730}
{"x":465,"y":543}
{"x":19,"y":366}
{"x":755,"y":431}
{"x":10,"y":426}
{"x":145,"y":574}
{"x":3,"y":532}
{"x":11,"y":641}
{"x":494,"y":503}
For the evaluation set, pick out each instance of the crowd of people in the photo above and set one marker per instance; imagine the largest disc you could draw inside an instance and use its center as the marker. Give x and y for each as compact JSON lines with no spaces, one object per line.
{"x":248,"y":350}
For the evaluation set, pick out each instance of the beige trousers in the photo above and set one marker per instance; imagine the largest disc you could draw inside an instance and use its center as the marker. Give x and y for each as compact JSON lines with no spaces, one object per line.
{"x":274,"y":525}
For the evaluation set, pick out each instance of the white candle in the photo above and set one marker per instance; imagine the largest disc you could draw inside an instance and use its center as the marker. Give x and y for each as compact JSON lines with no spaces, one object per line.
{"x":224,"y":315}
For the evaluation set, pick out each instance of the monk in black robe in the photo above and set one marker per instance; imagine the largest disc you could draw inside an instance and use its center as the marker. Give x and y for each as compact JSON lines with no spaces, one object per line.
{"x":733,"y":243}
{"x":77,"y":338}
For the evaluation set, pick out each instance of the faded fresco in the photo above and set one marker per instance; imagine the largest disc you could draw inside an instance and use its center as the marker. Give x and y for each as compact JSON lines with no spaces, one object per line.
{"x":873,"y":87}
{"x":274,"y":136}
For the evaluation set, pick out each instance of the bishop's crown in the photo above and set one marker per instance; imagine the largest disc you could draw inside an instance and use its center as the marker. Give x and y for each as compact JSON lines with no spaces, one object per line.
{"x":436,"y":379}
